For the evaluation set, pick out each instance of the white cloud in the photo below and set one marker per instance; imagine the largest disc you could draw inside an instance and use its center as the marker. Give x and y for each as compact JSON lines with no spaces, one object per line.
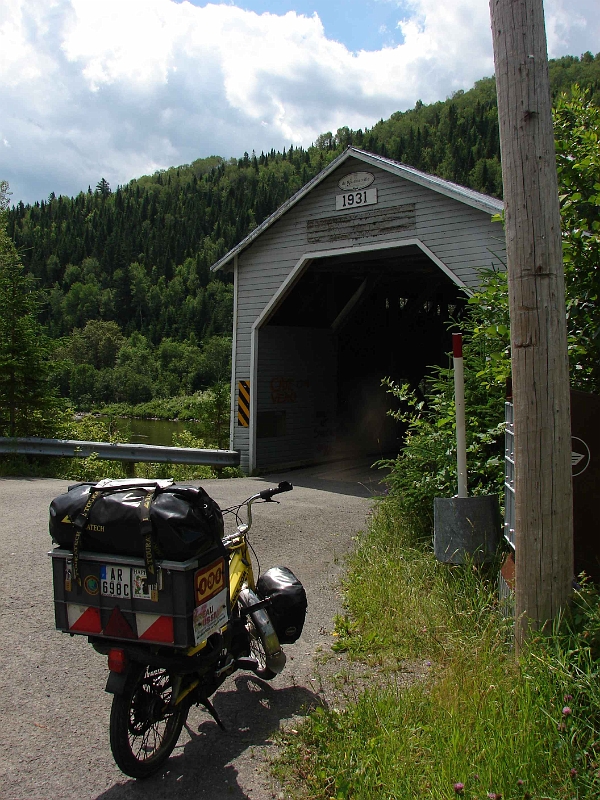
{"x":118,"y":88}
{"x":129,"y":41}
{"x":572,"y":29}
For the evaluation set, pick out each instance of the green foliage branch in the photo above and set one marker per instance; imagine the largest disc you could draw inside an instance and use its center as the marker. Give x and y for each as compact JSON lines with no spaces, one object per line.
{"x":577,"y":131}
{"x":426,"y":467}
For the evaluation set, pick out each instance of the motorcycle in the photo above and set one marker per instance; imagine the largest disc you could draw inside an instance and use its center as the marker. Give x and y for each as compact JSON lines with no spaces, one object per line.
{"x":240,"y":624}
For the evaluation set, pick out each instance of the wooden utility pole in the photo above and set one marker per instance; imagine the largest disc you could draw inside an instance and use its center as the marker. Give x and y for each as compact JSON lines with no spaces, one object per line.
{"x":540,"y":368}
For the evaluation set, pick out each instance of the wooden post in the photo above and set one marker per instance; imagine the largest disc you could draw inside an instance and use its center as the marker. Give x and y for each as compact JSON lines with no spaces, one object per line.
{"x":540,"y":369}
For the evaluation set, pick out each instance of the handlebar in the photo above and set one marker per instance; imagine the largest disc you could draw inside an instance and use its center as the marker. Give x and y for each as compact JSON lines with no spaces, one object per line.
{"x":267,"y":494}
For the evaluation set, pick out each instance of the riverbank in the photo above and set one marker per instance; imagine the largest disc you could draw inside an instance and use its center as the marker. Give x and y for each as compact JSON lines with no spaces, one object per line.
{"x":141,"y":430}
{"x":204,"y":414}
{"x":187,"y":407}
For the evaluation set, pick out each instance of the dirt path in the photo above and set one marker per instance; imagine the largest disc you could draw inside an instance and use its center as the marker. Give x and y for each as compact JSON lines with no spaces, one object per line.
{"x":54,"y":732}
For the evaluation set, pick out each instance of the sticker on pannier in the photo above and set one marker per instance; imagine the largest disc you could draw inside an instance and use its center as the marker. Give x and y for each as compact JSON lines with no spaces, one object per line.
{"x":210,"y":617}
{"x":210,"y":613}
{"x":140,"y":588}
{"x":209,"y":580}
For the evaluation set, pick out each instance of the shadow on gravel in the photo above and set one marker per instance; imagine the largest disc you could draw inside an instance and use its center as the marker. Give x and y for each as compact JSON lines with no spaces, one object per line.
{"x":201,"y":768}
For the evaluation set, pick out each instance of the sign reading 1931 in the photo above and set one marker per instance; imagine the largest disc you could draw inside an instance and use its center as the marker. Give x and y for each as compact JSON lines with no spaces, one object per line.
{"x":361,"y":197}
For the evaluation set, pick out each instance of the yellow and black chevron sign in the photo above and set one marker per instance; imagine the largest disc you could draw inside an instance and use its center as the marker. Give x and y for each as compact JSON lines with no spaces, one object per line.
{"x":244,"y":403}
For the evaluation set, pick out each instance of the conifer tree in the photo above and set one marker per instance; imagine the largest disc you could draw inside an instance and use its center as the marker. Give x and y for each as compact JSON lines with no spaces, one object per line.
{"x":26,"y":400}
{"x":103,"y":187}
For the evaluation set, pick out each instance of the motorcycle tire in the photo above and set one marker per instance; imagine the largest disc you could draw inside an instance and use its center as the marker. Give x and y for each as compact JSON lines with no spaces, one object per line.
{"x":256,"y":638}
{"x":143,"y":730}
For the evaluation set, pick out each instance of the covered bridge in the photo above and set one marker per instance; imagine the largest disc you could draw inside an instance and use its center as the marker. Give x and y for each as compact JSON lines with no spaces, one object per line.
{"x":352,"y":279}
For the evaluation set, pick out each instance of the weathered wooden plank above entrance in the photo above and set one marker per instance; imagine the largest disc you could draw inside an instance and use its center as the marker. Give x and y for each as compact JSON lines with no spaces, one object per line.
{"x":380,"y":222}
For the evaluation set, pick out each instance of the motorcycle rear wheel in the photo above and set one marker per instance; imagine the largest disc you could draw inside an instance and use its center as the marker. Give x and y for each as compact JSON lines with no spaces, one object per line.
{"x":143,"y":729}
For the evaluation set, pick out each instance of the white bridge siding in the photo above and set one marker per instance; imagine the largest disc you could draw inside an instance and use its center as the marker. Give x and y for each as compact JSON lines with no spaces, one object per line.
{"x":461,"y":239}
{"x":296,"y":396}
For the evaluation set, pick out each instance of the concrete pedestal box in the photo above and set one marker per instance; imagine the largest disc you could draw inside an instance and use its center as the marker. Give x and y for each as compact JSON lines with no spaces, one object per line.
{"x":466,"y":528}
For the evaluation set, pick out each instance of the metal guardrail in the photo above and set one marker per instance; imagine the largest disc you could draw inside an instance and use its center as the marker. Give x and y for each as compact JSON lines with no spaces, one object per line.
{"x":120,"y":452}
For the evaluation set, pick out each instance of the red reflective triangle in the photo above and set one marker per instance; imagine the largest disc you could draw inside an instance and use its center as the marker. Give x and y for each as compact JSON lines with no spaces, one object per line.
{"x":88,"y":622}
{"x":118,"y":626}
{"x":159,"y":631}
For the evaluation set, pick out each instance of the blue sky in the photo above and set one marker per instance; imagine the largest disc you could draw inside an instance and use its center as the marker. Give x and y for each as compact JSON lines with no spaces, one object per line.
{"x":358,"y":24}
{"x":122,"y":88}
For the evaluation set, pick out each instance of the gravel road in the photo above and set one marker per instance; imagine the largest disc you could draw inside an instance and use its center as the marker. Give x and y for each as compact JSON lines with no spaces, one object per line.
{"x":54,"y":711}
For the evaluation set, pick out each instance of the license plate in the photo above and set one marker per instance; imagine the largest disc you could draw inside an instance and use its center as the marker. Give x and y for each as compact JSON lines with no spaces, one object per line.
{"x":115,"y":581}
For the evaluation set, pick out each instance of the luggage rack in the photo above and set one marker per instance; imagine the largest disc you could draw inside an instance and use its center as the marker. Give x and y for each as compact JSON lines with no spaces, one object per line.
{"x":114,"y":601}
{"x":130,"y":561}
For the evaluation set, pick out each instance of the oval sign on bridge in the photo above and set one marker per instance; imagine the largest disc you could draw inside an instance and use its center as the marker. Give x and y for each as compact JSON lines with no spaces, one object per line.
{"x":356,"y":180}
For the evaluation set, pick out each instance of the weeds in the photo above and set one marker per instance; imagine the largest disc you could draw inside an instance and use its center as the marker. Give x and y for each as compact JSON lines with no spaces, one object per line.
{"x":402,"y":601}
{"x":479,"y":724}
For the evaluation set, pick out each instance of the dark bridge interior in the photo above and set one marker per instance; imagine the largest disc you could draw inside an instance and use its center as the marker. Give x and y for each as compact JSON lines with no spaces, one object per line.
{"x":390,"y":312}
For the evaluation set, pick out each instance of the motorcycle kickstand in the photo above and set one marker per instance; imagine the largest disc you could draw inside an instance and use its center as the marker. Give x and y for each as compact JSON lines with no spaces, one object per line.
{"x":213,"y":712}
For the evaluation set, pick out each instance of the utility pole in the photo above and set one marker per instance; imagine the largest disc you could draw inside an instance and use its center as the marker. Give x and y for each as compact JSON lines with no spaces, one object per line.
{"x":540,"y":368}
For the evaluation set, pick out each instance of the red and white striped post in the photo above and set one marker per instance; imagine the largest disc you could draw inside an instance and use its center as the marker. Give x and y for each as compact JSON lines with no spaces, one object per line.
{"x":465,"y":529}
{"x":459,"y":402}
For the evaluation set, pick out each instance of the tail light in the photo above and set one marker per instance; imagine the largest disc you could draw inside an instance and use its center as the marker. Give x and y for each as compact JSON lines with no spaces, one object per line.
{"x":117,"y":660}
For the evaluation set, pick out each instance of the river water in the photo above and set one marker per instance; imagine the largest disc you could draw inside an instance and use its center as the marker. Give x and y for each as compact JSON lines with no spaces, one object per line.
{"x":151,"y":431}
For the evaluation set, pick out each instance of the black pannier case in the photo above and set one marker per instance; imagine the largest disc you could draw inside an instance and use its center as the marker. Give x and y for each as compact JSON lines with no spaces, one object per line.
{"x":287,"y":606}
{"x":185,"y":520}
{"x":132,"y":560}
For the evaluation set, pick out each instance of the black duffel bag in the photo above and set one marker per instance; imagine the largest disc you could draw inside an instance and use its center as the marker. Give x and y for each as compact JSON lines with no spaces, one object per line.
{"x":287,"y":602}
{"x":113,"y":518}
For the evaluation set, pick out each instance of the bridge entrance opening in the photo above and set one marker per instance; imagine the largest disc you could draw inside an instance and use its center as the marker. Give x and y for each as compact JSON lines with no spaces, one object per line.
{"x":349,"y":322}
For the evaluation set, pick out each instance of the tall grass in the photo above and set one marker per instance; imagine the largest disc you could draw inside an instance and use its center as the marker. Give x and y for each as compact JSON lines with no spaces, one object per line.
{"x":404,"y":604}
{"x":479,"y":724}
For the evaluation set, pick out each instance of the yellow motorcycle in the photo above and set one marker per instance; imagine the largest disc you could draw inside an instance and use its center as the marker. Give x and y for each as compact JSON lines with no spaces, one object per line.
{"x":213,"y":604}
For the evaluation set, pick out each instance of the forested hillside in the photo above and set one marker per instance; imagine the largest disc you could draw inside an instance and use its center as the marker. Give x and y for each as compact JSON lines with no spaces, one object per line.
{"x":126,"y":269}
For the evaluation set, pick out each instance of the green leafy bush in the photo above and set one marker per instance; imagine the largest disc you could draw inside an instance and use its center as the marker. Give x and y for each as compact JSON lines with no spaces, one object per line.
{"x":426,"y":467}
{"x":179,"y":472}
{"x":577,"y":129}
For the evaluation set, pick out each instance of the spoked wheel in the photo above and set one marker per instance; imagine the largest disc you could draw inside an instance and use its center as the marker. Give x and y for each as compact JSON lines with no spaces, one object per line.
{"x":143,"y":728}
{"x":257,"y":639}
{"x":257,"y":651}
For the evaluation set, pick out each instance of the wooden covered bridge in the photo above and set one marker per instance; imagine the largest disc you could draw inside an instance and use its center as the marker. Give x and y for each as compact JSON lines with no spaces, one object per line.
{"x":354,"y":278}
